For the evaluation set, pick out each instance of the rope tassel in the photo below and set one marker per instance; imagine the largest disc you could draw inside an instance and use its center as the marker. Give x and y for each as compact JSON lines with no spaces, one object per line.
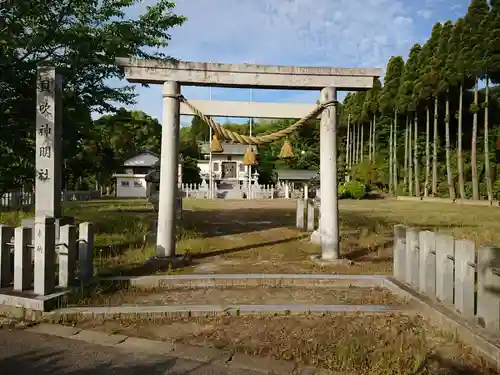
{"x":286,"y":151}
{"x":249,"y":158}
{"x":215,"y":145}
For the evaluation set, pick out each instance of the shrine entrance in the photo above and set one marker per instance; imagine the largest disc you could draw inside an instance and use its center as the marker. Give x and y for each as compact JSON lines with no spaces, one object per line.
{"x":173,"y":75}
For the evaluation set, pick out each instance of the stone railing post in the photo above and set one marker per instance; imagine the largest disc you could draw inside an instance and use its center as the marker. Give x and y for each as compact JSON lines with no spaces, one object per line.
{"x":300,"y":214}
{"x":465,"y":261}
{"x":445,"y":264}
{"x":427,"y":279}
{"x":488,"y":287}
{"x":85,"y":252}
{"x":67,"y":255}
{"x":45,"y":255}
{"x":310,"y":215}
{"x":6,"y":276}
{"x":412,"y":257}
{"x":23,"y":255}
{"x":399,"y":253}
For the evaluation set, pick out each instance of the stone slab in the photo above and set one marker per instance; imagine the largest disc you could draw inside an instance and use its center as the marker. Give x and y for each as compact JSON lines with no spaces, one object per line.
{"x":203,"y":354}
{"x":219,"y":108}
{"x":100,"y":338}
{"x":197,"y":354}
{"x":137,"y":344}
{"x":262,"y":364}
{"x":27,"y":300}
{"x":232,"y":280}
{"x":54,"y":330}
{"x":331,"y":262}
{"x":188,"y":311}
{"x":309,"y":370}
{"x":247,"y":75}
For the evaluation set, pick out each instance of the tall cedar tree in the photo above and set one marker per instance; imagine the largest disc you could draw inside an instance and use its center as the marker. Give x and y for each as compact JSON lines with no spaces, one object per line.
{"x":456,"y":74}
{"x":491,"y":70}
{"x":406,"y":103}
{"x":425,"y":89}
{"x":474,"y":51}
{"x":443,"y":89}
{"x":388,"y":99}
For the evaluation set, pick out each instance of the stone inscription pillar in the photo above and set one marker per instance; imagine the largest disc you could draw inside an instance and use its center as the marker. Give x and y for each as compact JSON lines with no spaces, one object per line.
{"x":329,"y":213}
{"x":165,"y":242}
{"x":48,"y":143}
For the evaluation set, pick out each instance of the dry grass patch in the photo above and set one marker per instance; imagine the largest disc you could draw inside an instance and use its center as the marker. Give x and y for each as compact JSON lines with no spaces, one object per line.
{"x":355,"y":343}
{"x":241,"y":296}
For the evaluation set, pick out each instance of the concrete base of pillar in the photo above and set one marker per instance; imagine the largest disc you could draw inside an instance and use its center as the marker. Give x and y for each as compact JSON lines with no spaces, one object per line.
{"x":315,"y":237}
{"x":59,"y":222}
{"x":331,"y":262}
{"x":163,"y":264}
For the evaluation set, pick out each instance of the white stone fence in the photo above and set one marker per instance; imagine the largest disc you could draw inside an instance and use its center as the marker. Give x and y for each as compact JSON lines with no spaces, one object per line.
{"x":40,"y":265}
{"x":201,"y":191}
{"x":451,"y":271}
{"x":20,"y":199}
{"x":306,"y":214}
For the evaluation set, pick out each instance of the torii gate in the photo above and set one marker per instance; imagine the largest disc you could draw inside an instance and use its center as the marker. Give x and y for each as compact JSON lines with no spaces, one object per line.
{"x":174,"y":74}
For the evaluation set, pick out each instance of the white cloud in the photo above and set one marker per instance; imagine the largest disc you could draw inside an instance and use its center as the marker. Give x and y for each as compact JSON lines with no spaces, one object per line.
{"x":344,"y":33}
{"x":425,"y":13}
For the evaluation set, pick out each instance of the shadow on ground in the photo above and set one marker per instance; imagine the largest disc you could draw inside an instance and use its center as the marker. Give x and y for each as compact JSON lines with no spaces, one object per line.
{"x":84,"y":359}
{"x":363,"y":236}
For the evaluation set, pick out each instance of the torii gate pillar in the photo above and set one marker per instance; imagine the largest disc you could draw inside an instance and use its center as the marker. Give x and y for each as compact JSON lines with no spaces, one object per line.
{"x":329,"y":214}
{"x":169,"y":164}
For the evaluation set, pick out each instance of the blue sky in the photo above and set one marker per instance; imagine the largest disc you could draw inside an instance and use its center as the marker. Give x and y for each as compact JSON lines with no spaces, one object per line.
{"x":339,"y":33}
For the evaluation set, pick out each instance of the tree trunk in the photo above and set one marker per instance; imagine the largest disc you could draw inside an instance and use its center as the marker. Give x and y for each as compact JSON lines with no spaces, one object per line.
{"x":434,"y":149}
{"x":410,"y":162}
{"x":415,"y":158}
{"x":473,"y":149}
{"x":405,"y":178}
{"x":374,"y":134}
{"x":394,"y":151}
{"x":390,"y":159}
{"x":451,"y":187}
{"x":427,"y":151}
{"x":362,"y":144}
{"x":347,"y":143}
{"x":354,"y":145}
{"x":487,"y":170}
{"x":460,"y":161}
{"x":370,"y":142}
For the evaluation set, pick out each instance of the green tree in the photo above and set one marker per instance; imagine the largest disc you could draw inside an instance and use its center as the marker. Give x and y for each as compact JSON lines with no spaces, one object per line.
{"x":407,"y":101}
{"x":388,"y":101}
{"x":81,"y":38}
{"x":425,"y":89}
{"x":474,"y":51}
{"x":443,"y":88}
{"x":457,"y":76}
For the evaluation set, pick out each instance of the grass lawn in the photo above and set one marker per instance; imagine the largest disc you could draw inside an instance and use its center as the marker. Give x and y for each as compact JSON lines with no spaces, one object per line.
{"x":259,"y":236}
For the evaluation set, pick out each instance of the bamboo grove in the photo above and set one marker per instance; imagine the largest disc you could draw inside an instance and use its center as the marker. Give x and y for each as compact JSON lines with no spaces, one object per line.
{"x":426,"y":131}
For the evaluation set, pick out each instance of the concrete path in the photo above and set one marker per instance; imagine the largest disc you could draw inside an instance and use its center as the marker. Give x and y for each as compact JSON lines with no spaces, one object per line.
{"x":27,"y":353}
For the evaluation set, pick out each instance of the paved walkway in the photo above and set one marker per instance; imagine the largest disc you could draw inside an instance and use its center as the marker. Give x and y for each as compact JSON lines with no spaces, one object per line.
{"x":26,"y":353}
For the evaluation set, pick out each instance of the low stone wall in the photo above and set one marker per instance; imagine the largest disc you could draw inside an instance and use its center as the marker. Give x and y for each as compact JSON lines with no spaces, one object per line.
{"x":452,"y":271}
{"x":34,"y":267}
